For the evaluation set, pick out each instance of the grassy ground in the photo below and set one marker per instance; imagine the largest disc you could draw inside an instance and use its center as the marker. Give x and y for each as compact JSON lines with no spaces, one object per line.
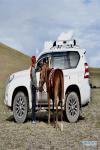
{"x":43,"y":136}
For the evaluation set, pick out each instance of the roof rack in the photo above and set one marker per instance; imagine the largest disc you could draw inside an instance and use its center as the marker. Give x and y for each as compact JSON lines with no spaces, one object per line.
{"x":60,"y":43}
{"x":67,"y":43}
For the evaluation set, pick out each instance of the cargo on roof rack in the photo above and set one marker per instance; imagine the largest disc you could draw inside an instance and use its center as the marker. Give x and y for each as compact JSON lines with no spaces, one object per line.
{"x":68,"y":43}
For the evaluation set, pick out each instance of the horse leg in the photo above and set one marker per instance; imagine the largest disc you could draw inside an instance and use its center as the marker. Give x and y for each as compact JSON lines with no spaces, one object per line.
{"x":62,"y":91}
{"x":61,"y":111}
{"x":53,"y":113}
{"x":61,"y":116}
{"x":56,"y":111}
{"x":48,"y":109}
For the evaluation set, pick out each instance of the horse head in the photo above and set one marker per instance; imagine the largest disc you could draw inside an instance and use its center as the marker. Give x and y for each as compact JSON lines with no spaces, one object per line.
{"x":42,"y":77}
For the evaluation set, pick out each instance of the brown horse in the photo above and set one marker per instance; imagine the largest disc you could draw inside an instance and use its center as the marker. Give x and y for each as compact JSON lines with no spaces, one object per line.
{"x":55,"y":89}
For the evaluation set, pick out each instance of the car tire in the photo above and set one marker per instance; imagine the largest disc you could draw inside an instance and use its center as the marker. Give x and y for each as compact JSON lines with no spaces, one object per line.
{"x":20,"y":107}
{"x":72,"y":107}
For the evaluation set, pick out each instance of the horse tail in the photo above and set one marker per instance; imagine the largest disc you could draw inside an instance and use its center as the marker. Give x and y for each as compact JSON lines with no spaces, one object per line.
{"x":61,"y":86}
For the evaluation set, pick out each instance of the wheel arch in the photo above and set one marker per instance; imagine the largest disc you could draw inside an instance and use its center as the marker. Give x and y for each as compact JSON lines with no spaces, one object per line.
{"x":74,"y":88}
{"x":20,"y":89}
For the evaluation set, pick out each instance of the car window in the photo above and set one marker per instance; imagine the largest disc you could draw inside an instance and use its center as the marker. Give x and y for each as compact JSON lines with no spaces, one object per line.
{"x":59,"y":60}
{"x":65,"y":60}
{"x":40,"y":61}
{"x":73,"y":58}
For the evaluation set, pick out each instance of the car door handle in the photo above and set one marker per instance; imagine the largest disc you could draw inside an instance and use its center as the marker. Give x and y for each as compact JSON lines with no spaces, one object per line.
{"x":66,"y":75}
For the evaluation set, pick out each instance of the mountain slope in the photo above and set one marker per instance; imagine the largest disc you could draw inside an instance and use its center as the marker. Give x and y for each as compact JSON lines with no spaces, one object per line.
{"x":95,"y":77}
{"x":11,"y":61}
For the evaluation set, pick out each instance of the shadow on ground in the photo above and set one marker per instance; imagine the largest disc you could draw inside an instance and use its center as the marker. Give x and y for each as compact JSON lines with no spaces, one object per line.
{"x":43,"y":116}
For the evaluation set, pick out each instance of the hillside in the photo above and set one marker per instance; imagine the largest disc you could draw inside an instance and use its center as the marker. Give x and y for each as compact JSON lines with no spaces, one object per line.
{"x":95,"y":77}
{"x":94,"y":70}
{"x":11,"y":61}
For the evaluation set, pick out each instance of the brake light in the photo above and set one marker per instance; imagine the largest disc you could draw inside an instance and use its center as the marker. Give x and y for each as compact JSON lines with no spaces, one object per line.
{"x":86,"y":75}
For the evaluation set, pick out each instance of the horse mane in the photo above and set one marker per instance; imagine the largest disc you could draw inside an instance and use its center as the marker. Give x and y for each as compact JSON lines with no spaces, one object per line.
{"x":48,"y":71}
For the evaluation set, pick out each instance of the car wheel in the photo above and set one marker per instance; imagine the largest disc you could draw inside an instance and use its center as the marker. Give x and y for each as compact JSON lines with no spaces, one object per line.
{"x":20,"y":107}
{"x":72,"y":107}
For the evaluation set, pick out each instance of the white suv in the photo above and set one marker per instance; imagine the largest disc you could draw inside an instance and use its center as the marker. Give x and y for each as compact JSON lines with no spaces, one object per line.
{"x":62,"y":54}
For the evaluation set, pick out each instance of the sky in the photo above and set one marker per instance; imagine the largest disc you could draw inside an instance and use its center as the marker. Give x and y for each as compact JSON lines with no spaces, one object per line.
{"x":26,"y":24}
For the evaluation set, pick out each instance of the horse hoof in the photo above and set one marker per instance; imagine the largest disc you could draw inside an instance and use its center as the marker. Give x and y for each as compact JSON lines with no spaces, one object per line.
{"x":48,"y":122}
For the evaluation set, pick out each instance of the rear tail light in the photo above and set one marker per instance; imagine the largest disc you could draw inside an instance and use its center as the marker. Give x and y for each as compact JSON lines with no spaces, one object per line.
{"x":86,"y":74}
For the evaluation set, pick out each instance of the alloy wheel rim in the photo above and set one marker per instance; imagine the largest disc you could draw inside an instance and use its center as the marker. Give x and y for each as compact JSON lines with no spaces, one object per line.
{"x":20,"y":107}
{"x":72,"y":107}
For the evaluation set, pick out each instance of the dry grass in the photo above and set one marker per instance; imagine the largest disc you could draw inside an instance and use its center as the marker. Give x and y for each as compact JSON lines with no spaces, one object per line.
{"x":43,"y":136}
{"x":95,"y":77}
